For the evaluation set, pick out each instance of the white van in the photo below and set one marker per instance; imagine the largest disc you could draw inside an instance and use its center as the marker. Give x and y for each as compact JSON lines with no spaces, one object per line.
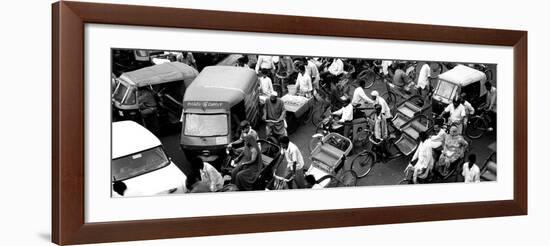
{"x":139,"y":164}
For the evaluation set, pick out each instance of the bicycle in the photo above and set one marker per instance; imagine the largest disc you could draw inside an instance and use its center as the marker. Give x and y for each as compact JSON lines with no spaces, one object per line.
{"x":479,"y":124}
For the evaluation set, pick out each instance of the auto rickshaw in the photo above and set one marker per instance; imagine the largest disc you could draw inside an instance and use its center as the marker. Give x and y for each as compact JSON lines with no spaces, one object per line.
{"x":159,"y":89}
{"x":213,"y":107}
{"x":460,"y":79}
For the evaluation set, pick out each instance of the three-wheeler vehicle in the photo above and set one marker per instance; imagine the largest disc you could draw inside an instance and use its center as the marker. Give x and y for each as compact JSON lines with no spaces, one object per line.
{"x":460,"y":79}
{"x":158,"y":88}
{"x":213,"y":107}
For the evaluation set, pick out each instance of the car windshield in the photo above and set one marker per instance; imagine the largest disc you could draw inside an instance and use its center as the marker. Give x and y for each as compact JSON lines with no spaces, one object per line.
{"x":445,"y":89}
{"x":205,"y":125}
{"x":120,"y":92}
{"x":138,"y":163}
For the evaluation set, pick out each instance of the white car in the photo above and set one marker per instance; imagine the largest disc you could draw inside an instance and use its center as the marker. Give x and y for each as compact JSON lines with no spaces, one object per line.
{"x":139,"y":165}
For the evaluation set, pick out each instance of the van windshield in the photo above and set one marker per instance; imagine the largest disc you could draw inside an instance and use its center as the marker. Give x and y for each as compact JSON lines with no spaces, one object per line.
{"x":120,"y":90}
{"x":138,"y":163}
{"x":206,"y":125}
{"x":445,"y":89}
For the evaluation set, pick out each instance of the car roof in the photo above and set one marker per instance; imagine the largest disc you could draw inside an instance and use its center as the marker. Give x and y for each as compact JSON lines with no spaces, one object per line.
{"x":463,"y":75}
{"x":161,"y":73}
{"x":221,"y":83}
{"x":129,"y":137}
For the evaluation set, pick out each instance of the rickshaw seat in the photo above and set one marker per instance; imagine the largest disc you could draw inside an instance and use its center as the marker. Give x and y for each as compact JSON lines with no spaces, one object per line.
{"x":408,"y":109}
{"x":414,"y":128}
{"x":399,"y":120}
{"x":406,"y":144}
{"x":328,"y":155}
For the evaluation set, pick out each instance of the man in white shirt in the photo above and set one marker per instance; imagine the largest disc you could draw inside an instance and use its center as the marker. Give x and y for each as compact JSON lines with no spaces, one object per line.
{"x":294,"y":160}
{"x":457,"y":114}
{"x":336,"y":68}
{"x":470,"y":170}
{"x":303,"y":82}
{"x":491,"y":102}
{"x":346,"y":116}
{"x":359,"y":96}
{"x":380,"y":101}
{"x":265,"y":62}
{"x":313,"y":72}
{"x":423,"y":79}
{"x":266,"y":87}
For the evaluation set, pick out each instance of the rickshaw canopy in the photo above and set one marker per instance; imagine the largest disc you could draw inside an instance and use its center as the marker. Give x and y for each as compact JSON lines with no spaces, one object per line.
{"x":161,"y":73}
{"x":222,"y":84}
{"x":463,"y":75}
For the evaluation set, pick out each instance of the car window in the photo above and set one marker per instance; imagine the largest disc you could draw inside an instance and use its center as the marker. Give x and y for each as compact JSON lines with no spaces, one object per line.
{"x":138,"y":163}
{"x":120,"y":91}
{"x":130,"y":97}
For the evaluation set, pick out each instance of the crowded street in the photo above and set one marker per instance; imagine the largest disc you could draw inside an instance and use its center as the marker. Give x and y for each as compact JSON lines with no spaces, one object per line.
{"x":392,"y":123}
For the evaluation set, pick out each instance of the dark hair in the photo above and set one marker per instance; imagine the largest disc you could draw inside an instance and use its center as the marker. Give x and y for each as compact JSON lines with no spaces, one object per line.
{"x":362,"y":83}
{"x":377,"y":108}
{"x":310,"y":179}
{"x":196,"y":163}
{"x":422,"y":136}
{"x":244,"y":124}
{"x":472,"y":158}
{"x":243,"y":60}
{"x":119,"y":187}
{"x":301,"y":67}
{"x":488,"y":84}
{"x":284,"y":140}
{"x":446,"y":115}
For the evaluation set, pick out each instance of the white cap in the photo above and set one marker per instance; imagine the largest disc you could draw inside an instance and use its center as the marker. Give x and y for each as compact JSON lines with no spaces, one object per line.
{"x":274,"y":93}
{"x":374,"y":93}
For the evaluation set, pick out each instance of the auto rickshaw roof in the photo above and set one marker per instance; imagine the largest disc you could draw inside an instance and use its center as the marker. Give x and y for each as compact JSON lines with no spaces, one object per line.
{"x":161,"y":73}
{"x":221,"y":83}
{"x":130,"y":137}
{"x":463,"y":75}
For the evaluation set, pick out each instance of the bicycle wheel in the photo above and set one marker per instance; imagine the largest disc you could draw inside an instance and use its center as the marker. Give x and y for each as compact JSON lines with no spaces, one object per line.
{"x":391,"y":99}
{"x":476,"y":127}
{"x":368,"y":76}
{"x":313,"y":143}
{"x":363,"y":163}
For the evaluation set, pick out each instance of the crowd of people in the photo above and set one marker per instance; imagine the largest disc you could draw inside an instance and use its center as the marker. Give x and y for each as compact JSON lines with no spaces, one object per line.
{"x":437,"y":152}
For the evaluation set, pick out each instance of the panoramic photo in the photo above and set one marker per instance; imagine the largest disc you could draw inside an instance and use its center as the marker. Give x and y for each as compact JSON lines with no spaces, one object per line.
{"x":196,"y":122}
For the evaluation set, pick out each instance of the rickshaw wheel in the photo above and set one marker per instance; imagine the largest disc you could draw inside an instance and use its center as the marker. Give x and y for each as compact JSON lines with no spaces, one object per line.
{"x":476,"y":127}
{"x":391,"y":99}
{"x":368,"y":76}
{"x":362,"y":164}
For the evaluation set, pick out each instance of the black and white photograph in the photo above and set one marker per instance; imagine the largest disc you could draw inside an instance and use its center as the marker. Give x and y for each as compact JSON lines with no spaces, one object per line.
{"x":196,"y":122}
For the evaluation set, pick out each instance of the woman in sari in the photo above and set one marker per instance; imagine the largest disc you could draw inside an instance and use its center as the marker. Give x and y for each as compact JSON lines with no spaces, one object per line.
{"x":245,"y":173}
{"x":454,"y":147}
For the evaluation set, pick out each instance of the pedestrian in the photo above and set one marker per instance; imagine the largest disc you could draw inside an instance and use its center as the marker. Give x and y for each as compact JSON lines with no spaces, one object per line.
{"x":247,"y":170}
{"x":380,"y":101}
{"x":266,"y":63}
{"x":470,"y":170}
{"x":274,"y":116}
{"x":303,"y":82}
{"x":294,"y":160}
{"x":380,"y":131}
{"x":312,"y":71}
{"x":266,"y":86}
{"x":148,"y":109}
{"x":423,"y":83}
{"x":400,"y":77}
{"x":491,"y":102}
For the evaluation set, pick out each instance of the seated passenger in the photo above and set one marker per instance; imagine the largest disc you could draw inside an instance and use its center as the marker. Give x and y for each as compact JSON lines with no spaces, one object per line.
{"x":210,"y":179}
{"x":454,"y":146}
{"x":346,"y":116}
{"x":247,"y":170}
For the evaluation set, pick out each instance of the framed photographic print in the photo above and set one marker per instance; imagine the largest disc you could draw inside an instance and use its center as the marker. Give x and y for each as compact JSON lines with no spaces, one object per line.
{"x":176,"y":123}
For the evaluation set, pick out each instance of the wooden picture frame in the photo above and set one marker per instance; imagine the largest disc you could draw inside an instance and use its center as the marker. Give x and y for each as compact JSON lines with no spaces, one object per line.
{"x":68,"y":223}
